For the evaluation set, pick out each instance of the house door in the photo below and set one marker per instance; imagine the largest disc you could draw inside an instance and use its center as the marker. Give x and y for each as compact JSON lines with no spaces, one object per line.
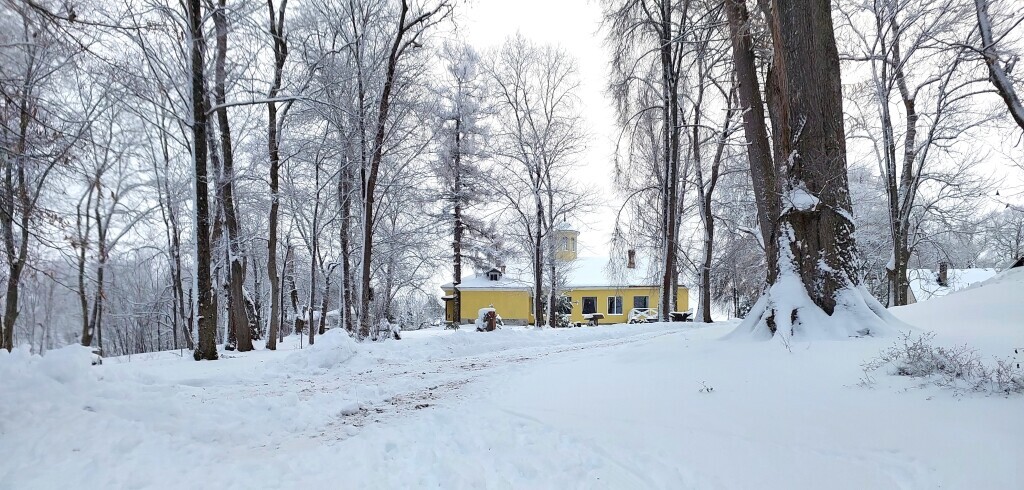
{"x":589,"y":305}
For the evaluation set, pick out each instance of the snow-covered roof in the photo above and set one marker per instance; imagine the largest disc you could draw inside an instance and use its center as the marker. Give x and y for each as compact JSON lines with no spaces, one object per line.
{"x":600,"y":272}
{"x":924,"y":283}
{"x":584,"y":272}
{"x":512,"y":279}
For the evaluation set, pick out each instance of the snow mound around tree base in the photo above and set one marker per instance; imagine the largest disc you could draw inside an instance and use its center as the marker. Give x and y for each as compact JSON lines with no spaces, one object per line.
{"x":794,"y":315}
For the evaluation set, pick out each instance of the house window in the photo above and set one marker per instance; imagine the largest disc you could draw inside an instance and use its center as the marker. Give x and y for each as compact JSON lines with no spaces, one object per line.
{"x":641,"y":302}
{"x":494,"y":276}
{"x":615,"y":305}
{"x":565,"y":243}
{"x":589,"y":305}
{"x":572,"y":244}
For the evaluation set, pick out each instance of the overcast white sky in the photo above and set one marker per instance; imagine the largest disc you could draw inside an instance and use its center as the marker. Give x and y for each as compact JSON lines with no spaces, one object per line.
{"x":573,"y":25}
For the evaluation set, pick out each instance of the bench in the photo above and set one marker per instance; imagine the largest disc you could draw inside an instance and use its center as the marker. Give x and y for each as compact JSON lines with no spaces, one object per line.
{"x":681,"y":316}
{"x":643,"y":315}
{"x":593,"y":318}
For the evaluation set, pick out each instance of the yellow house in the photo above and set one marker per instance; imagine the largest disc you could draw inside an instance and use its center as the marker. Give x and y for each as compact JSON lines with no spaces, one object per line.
{"x":618,"y":288}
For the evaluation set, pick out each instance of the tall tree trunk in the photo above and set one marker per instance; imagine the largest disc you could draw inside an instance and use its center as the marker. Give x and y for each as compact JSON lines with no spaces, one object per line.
{"x":670,"y":129}
{"x":538,"y":258}
{"x":706,"y":191}
{"x":206,"y":316}
{"x":821,"y":244}
{"x":755,"y":130}
{"x":816,"y":286}
{"x":96,"y":323}
{"x":84,"y":227}
{"x":370,"y":181}
{"x":218,"y":245}
{"x":15,"y":183}
{"x":314,"y":254}
{"x":171,"y":227}
{"x":900,"y":197}
{"x":457,"y":217}
{"x":347,"y":287}
{"x":273,"y":149}
{"x":238,"y":320}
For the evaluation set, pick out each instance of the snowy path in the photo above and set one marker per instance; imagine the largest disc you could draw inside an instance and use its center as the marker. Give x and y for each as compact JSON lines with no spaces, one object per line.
{"x":654,"y":406}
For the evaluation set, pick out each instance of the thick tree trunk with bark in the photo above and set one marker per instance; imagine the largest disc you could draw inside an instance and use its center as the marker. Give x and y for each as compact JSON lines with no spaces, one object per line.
{"x":206,"y":316}
{"x":821,"y":246}
{"x":15,"y":184}
{"x":816,"y":288}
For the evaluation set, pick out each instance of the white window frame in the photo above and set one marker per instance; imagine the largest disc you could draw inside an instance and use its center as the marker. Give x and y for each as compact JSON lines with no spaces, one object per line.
{"x":642,"y":296}
{"x":617,"y":302}
{"x":583,"y":301}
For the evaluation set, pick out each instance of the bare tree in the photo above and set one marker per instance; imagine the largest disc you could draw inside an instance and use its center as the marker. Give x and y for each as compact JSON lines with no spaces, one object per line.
{"x":906,"y":45}
{"x":206,"y":310}
{"x":999,"y":70}
{"x":648,"y":39}
{"x":538,"y":137}
{"x":410,"y":28}
{"x":38,"y":132}
{"x":280,"y":42}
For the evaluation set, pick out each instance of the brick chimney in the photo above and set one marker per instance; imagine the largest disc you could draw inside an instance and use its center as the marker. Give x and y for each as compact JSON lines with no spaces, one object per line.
{"x":943,"y":274}
{"x":631,"y":259}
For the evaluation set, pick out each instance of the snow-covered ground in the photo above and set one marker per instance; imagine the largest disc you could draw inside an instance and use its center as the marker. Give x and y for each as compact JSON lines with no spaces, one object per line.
{"x":652,"y":406}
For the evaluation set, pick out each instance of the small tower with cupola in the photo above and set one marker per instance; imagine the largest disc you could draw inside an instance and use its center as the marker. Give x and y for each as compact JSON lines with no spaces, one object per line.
{"x":566,"y":239}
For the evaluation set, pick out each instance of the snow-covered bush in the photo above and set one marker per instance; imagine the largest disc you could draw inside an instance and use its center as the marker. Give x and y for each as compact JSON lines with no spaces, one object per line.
{"x":959,"y":367}
{"x":333,"y":348}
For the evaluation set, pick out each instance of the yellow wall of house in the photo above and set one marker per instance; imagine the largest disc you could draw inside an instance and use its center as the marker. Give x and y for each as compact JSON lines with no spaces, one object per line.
{"x":602,"y":295}
{"x":514,"y":306}
{"x":511,"y":305}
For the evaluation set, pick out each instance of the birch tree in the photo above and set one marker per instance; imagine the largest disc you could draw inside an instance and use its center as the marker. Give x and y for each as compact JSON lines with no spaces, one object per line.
{"x":647,"y":39}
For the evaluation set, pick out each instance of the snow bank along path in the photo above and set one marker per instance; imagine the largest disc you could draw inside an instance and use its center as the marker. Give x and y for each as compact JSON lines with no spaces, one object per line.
{"x":653,"y":406}
{"x":261,"y":420}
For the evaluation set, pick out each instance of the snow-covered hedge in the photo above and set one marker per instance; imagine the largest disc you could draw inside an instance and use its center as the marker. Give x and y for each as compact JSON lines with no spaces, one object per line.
{"x":959,"y":367}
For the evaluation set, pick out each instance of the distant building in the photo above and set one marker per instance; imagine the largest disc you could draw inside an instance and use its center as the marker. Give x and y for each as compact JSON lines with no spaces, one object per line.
{"x":612,"y":287}
{"x":926,"y":284}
